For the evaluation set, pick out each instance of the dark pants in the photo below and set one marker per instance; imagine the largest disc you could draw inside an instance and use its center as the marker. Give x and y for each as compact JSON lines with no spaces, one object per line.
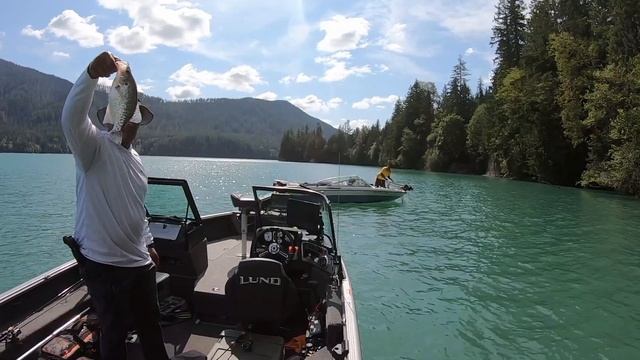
{"x":380,"y":183}
{"x":123,"y":296}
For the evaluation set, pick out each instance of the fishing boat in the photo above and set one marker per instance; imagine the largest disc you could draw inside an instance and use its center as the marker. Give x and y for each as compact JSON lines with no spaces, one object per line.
{"x":350,"y":189}
{"x":263,"y":281}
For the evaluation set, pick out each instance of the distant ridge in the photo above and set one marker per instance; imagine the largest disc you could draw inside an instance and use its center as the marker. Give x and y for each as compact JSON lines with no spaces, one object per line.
{"x":31,"y":103}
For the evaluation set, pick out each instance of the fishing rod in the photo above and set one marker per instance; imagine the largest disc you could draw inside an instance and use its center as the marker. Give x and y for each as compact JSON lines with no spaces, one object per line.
{"x":338,"y":210}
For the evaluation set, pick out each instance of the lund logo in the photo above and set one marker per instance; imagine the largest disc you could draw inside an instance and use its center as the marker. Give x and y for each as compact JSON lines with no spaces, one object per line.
{"x":259,"y":280}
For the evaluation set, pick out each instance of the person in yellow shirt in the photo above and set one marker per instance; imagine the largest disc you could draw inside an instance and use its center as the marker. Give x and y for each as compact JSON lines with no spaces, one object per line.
{"x":383,"y":175}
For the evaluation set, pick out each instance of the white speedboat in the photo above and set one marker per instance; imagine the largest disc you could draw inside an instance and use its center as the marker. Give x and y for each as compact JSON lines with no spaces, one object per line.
{"x":350,"y":189}
{"x":264,"y":282}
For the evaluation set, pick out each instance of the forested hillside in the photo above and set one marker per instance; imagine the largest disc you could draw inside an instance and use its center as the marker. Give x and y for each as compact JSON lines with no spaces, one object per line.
{"x":31,"y":103}
{"x":563,"y":106}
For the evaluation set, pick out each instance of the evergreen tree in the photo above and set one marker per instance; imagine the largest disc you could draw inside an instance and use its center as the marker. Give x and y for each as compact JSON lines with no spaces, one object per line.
{"x":575,"y":72}
{"x":553,"y":159}
{"x":393,"y":137}
{"x":447,"y":143}
{"x":481,"y":136}
{"x":287,"y":147}
{"x":574,"y":17}
{"x":410,"y":150}
{"x":481,"y":92}
{"x":508,"y":36}
{"x":624,"y":36}
{"x":458,"y":99}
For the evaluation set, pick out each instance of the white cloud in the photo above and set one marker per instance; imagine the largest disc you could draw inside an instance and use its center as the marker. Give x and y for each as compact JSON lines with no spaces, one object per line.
{"x":358,"y":123}
{"x":239,"y":78}
{"x":361,"y":105}
{"x":172,"y":23}
{"x":183,"y":92}
{"x":300,"y":78}
{"x":269,"y":96}
{"x":287,"y":80}
{"x":487,"y":79}
{"x":400,"y":63}
{"x":303,"y":78}
{"x":312,"y":103}
{"x":395,"y":39}
{"x":337,"y":68}
{"x":61,"y":54}
{"x":71,"y":26}
{"x":298,"y":30}
{"x":130,"y":41}
{"x":145,"y":85}
{"x":376,"y":101}
{"x":30,"y":31}
{"x":251,"y":19}
{"x":470,"y":51}
{"x":343,"y":33}
{"x":465,"y":19}
{"x":468,"y":18}
{"x":341,"y":55}
{"x":382,"y":68}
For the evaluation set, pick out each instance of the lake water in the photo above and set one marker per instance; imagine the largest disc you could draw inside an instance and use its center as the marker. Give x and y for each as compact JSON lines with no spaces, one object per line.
{"x":465,"y":267}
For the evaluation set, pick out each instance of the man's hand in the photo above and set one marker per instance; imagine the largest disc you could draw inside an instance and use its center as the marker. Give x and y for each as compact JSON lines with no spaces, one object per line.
{"x":154,"y":256}
{"x":103,"y":65}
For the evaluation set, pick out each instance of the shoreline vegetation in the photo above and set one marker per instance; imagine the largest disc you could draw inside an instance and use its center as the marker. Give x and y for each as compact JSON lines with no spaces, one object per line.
{"x":31,"y":105}
{"x":563,"y":107}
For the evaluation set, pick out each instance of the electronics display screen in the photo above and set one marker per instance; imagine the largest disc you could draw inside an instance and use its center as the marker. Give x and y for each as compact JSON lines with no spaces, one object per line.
{"x":165,"y":231}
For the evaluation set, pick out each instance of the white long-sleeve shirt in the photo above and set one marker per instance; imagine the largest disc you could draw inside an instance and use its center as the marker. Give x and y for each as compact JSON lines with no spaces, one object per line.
{"x":111,"y":185}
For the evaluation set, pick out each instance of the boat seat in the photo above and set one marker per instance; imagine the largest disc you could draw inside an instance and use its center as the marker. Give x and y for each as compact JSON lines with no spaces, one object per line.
{"x":261,"y":295}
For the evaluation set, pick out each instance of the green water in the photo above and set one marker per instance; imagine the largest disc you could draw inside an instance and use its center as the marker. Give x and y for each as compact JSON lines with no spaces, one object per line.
{"x":465,"y":267}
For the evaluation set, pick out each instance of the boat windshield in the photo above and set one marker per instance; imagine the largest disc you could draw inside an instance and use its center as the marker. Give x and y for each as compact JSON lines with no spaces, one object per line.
{"x":351,"y":180}
{"x":305,"y":209}
{"x":170,"y":198}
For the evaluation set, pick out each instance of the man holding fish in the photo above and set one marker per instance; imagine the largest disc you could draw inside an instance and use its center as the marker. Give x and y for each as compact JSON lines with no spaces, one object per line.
{"x":111,"y":230}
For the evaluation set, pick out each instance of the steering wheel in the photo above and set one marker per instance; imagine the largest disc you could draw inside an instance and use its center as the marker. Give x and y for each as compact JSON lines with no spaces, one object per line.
{"x":273,"y":243}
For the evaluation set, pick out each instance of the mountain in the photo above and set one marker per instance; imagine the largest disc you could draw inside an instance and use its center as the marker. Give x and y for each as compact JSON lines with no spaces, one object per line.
{"x":31,"y":104}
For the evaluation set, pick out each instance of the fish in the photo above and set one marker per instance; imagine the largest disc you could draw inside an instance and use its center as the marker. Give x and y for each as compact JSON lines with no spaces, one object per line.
{"x":123,"y":99}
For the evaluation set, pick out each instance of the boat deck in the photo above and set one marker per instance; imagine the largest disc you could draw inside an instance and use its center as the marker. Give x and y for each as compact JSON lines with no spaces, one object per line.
{"x":209,"y":303}
{"x":223,"y":256}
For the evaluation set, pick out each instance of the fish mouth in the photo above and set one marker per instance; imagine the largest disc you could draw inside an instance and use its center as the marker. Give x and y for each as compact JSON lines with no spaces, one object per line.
{"x":122,"y":66}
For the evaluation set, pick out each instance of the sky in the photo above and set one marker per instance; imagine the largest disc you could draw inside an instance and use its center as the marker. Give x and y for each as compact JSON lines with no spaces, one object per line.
{"x":336,"y":60}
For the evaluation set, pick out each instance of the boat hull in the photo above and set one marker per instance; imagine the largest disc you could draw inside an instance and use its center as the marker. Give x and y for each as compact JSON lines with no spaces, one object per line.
{"x":365,"y":195}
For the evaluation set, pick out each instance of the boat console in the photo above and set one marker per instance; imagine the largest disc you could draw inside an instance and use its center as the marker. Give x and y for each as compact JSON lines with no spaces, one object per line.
{"x":294,"y":233}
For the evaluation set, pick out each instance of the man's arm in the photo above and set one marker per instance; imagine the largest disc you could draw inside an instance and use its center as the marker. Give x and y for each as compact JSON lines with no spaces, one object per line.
{"x":80,"y":133}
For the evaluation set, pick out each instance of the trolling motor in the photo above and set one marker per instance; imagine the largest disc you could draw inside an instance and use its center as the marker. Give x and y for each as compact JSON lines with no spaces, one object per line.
{"x":404,"y":187}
